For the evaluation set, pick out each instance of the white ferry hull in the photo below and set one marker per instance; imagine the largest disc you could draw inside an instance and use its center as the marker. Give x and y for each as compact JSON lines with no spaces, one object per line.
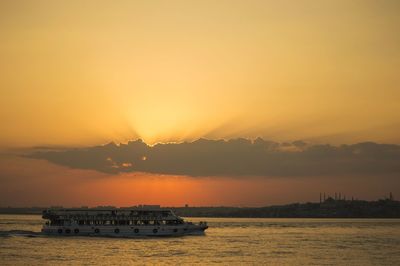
{"x":118,"y":222}
{"x":125,"y":231}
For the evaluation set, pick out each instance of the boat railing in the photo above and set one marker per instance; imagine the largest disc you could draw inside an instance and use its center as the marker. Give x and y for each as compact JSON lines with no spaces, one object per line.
{"x":121,"y":218}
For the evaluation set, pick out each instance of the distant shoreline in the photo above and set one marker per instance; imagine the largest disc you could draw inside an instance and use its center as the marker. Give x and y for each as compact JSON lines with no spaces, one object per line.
{"x":330,"y":208}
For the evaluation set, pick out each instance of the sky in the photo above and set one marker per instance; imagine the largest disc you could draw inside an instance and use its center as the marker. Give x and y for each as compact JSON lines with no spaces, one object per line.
{"x":86,"y":73}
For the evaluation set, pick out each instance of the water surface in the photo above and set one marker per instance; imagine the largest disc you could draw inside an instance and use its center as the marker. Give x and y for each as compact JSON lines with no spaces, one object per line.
{"x":227,"y":241}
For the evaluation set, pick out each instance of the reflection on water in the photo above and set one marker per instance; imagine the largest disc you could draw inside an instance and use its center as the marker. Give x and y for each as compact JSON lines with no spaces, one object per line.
{"x":227,"y":241}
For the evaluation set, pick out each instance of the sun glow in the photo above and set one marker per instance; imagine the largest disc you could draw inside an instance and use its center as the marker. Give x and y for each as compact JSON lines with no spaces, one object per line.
{"x":190,"y":70}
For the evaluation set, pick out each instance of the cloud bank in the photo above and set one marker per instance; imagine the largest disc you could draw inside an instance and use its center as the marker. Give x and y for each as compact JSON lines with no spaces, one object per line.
{"x":236,"y":157}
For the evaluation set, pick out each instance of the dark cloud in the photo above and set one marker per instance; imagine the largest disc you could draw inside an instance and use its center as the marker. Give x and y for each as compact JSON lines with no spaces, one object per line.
{"x":236,"y":157}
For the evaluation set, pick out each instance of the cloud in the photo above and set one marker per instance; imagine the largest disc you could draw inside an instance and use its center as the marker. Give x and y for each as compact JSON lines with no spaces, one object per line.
{"x":235,"y":157}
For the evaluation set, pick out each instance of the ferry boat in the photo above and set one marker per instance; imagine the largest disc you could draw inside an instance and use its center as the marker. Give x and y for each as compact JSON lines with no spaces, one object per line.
{"x":118,"y":222}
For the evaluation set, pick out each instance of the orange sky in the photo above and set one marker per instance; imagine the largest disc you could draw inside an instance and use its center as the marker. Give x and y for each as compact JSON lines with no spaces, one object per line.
{"x":28,"y":182}
{"x":82,"y":73}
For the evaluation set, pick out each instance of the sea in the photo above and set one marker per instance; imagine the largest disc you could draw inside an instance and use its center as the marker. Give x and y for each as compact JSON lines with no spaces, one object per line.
{"x":228,"y":241}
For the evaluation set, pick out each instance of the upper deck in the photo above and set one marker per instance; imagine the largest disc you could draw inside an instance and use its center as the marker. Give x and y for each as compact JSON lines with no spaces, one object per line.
{"x":133,"y":213}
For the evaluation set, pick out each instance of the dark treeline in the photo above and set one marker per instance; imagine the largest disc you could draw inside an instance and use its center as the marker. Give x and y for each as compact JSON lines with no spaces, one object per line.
{"x":330,"y":208}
